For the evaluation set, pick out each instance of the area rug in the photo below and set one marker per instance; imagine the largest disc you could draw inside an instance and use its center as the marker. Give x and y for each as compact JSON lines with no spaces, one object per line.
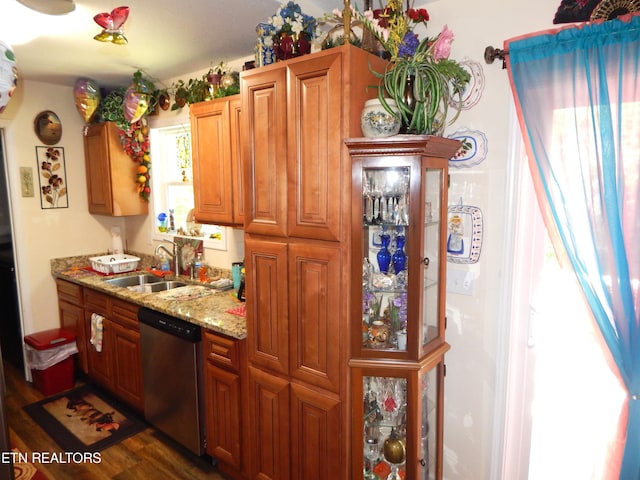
{"x":84,"y":419}
{"x":25,"y":470}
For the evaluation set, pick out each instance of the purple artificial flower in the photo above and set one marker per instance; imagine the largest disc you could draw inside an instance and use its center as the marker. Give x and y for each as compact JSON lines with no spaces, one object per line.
{"x":409,"y":45}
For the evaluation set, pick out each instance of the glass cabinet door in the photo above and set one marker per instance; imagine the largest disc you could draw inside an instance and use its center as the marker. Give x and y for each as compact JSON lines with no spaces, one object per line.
{"x":400,"y":436}
{"x":433,"y":179}
{"x":385,"y":224}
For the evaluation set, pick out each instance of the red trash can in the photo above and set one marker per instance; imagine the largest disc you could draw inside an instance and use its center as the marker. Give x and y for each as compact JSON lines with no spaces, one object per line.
{"x":50,"y":356}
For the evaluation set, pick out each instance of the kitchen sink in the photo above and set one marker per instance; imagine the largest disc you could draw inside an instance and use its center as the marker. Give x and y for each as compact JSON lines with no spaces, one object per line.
{"x":132,"y":280}
{"x":161,"y":286}
{"x":144,"y":283}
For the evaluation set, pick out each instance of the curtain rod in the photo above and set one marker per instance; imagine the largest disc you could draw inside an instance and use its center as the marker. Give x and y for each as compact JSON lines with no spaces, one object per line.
{"x":490,"y":54}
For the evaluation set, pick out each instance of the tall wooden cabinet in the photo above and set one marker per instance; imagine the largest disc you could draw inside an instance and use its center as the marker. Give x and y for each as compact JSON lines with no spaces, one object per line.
{"x":400,"y":233}
{"x":297,"y":174}
{"x":217,"y":173}
{"x":111,"y":174}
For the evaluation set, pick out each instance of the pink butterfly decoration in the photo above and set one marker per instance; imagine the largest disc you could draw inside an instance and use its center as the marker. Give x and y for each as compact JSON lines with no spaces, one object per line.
{"x":112,"y":25}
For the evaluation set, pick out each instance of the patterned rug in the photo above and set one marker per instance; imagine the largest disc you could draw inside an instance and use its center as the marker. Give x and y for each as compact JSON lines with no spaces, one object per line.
{"x":84,"y":420}
{"x":25,"y":470}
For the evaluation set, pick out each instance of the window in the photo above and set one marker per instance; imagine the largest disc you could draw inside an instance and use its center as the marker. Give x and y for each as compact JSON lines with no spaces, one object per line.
{"x":172,"y":188}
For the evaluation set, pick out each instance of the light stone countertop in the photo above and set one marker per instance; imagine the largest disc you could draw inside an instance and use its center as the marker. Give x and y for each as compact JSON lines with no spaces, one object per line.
{"x":194,"y":303}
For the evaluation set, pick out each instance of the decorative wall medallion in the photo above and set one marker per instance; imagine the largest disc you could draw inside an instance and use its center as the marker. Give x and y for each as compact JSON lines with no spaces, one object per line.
{"x":48,"y":127}
{"x":464,"y":238}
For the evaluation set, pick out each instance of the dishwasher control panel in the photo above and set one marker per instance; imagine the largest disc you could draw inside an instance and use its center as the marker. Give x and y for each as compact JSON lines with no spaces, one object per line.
{"x":169,"y":324}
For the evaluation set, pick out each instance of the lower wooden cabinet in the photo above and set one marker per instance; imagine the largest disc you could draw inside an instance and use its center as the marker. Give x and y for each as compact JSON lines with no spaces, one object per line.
{"x":71,"y":311}
{"x":117,"y":366}
{"x":225,"y":371}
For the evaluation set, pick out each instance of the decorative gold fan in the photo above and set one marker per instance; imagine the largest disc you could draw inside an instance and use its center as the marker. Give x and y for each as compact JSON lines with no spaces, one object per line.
{"x":610,"y":9}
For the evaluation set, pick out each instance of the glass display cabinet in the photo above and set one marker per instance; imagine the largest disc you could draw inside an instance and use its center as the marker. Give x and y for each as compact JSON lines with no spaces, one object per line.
{"x":399,"y":236}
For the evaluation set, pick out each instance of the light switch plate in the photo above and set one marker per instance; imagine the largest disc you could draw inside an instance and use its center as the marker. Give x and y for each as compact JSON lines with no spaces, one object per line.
{"x":460,"y":281}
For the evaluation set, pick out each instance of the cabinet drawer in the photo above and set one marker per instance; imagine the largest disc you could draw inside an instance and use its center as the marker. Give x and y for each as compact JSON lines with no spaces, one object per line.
{"x":221,"y":350}
{"x":124,"y":313}
{"x":69,"y":292}
{"x":96,"y":302}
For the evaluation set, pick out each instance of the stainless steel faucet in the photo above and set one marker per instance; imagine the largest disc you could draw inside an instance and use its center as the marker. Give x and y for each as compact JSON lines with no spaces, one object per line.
{"x":174,"y":255}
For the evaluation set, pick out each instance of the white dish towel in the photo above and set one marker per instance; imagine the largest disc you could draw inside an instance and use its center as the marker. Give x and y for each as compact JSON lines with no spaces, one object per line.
{"x":96,"y":331}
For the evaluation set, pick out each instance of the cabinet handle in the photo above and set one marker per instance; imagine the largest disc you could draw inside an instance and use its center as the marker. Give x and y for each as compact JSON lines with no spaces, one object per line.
{"x":422,"y":462}
{"x":425,"y":261}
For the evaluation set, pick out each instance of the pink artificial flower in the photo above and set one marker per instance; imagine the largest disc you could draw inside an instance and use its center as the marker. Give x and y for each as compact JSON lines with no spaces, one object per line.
{"x":442,"y":47}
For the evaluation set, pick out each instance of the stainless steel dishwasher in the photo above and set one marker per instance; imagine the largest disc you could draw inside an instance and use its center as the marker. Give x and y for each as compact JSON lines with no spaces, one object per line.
{"x":171,"y":351}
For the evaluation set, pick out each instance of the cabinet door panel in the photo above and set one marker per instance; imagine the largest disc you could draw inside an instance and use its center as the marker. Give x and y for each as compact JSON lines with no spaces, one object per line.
{"x":264,"y":131}
{"x":315,"y":432}
{"x":211,"y":162}
{"x":235,"y":118}
{"x":72,"y":317}
{"x":315,"y":148}
{"x":269,"y":406}
{"x":316,"y":308}
{"x":127,"y":375}
{"x":96,"y":145}
{"x":223,"y":414}
{"x":267,"y":314}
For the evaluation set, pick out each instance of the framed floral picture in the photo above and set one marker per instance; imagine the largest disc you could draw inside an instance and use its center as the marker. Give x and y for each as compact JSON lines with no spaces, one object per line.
{"x":53,"y":177}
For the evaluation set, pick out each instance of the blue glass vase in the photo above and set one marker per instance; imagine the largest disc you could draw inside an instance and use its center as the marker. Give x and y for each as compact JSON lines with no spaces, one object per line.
{"x":399,"y":258}
{"x":384,"y":255}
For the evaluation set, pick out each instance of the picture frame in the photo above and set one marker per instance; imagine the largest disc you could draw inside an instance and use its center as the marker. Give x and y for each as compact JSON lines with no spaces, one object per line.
{"x":52,"y":177}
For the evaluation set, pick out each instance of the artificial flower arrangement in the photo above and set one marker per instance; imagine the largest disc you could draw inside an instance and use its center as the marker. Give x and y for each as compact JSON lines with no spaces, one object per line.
{"x":420,"y":77}
{"x":134,"y":135}
{"x":292,"y":30}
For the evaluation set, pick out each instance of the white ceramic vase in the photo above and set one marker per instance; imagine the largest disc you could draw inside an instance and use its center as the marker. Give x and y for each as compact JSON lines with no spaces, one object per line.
{"x":375,"y":121}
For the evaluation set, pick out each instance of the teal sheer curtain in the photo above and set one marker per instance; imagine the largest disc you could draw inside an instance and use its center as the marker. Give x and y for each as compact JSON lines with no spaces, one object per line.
{"x":577,"y":93}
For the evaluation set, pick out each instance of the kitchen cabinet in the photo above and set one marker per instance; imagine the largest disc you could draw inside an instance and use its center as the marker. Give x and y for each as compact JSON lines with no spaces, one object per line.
{"x":217,"y":176}
{"x":398,"y":314}
{"x":127,"y":366}
{"x":297,"y":173}
{"x":71,"y":311}
{"x":225,"y":372}
{"x":117,"y":367}
{"x":111,"y":174}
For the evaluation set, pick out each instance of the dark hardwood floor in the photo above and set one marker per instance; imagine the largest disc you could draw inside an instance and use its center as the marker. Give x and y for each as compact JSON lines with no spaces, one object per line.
{"x":147,"y":455}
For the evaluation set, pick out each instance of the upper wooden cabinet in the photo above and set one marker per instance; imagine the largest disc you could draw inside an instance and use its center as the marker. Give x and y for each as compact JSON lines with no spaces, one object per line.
{"x":297,"y":114}
{"x":111,"y":174}
{"x":217,"y":176}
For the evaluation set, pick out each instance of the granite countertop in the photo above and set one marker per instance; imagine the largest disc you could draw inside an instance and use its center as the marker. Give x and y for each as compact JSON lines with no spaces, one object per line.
{"x":195,"y":303}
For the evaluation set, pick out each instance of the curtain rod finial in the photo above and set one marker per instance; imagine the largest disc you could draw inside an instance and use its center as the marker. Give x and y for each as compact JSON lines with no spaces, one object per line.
{"x":490,"y":54}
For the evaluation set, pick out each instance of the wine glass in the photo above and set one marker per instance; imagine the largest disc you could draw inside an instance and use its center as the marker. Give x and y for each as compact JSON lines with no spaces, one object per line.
{"x":371,"y":449}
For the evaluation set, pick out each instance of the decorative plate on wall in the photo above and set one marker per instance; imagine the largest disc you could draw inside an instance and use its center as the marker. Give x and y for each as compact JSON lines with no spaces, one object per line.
{"x":473,"y":150}
{"x":464,"y":238}
{"x":473,"y":91}
{"x":48,"y":127}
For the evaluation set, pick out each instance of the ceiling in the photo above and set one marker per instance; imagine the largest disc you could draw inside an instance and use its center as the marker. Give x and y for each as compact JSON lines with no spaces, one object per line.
{"x":166,"y":39}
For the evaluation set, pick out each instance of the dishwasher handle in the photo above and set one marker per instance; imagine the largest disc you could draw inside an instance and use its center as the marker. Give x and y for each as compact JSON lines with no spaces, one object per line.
{"x":171,"y":325}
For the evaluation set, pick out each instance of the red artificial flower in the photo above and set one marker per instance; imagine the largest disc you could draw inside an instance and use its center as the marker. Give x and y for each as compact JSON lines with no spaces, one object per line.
{"x":418,"y":15}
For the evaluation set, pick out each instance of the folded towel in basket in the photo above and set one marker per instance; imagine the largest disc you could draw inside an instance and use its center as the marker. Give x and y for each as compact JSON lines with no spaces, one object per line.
{"x":96,"y":331}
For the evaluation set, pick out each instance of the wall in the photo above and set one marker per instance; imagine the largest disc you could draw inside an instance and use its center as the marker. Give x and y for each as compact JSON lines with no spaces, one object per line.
{"x":42,"y":234}
{"x":473,"y":386}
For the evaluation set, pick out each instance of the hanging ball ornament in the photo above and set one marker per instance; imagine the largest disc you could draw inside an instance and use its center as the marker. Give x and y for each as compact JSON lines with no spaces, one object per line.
{"x":8,"y":75}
